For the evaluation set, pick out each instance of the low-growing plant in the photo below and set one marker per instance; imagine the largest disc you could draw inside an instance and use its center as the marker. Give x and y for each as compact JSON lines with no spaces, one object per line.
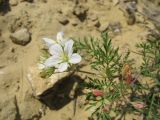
{"x":112,"y":76}
{"x":150,"y":51}
{"x":113,"y":90}
{"x":150,"y":67}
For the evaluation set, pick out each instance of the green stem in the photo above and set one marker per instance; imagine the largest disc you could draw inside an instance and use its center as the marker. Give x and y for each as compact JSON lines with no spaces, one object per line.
{"x":150,"y":107}
{"x":141,"y":54}
{"x":115,"y":76}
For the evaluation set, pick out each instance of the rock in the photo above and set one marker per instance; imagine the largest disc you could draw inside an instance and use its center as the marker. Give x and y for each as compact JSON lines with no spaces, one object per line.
{"x":13,"y":2}
{"x":4,"y":7}
{"x":129,"y":9}
{"x":59,"y":10}
{"x":80,"y":1}
{"x":43,"y":1}
{"x":30,"y":109}
{"x":74,"y":22}
{"x":115,"y":27}
{"x":130,"y":13}
{"x":92,"y":24}
{"x":9,"y":80}
{"x":21,"y":37}
{"x":23,"y":106}
{"x":92,"y":20}
{"x":80,"y":12}
{"x":63,"y":19}
{"x":95,"y":23}
{"x":2,"y":46}
{"x":40,"y":85}
{"x":1,"y":1}
{"x":115,"y":2}
{"x":8,"y":110}
{"x":104,"y":27}
{"x":100,"y":2}
{"x":131,"y":19}
{"x":20,"y":21}
{"x":131,"y":6}
{"x":26,"y":0}
{"x":92,"y":17}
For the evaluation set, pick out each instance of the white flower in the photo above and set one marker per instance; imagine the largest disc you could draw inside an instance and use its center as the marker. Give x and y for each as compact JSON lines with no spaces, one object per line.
{"x":60,"y":40}
{"x":62,"y":57}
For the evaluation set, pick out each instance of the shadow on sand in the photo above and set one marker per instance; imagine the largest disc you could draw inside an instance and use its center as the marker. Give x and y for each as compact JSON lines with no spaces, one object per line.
{"x":59,"y":95}
{"x":4,"y":6}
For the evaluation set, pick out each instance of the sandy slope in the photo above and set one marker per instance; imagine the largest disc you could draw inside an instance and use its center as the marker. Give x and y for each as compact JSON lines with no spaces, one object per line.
{"x":46,"y":19}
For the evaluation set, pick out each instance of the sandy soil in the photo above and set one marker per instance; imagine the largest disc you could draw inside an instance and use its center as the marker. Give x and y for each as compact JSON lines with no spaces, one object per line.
{"x":44,"y":18}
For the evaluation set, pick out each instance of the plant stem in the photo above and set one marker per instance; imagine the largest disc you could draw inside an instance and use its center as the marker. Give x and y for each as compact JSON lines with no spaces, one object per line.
{"x":115,"y":76}
{"x":150,"y":107}
{"x":141,"y":54}
{"x":86,"y":72}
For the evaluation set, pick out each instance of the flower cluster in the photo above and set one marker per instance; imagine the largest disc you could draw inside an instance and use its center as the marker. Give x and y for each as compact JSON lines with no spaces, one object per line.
{"x":61,"y":53}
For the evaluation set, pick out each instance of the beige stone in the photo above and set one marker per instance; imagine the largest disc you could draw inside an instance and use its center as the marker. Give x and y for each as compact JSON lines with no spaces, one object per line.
{"x":13,"y":2}
{"x":21,"y":37}
{"x":40,"y":85}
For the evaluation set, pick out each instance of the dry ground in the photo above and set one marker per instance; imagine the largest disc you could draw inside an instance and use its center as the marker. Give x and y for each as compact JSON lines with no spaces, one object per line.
{"x":44,"y":19}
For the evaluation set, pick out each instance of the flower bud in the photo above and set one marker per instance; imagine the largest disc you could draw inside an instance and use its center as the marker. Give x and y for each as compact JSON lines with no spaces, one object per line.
{"x":97,"y":92}
{"x":127,"y":75}
{"x":138,"y":105}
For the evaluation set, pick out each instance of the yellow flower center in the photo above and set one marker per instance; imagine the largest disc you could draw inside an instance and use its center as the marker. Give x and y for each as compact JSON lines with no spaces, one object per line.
{"x":65,"y":57}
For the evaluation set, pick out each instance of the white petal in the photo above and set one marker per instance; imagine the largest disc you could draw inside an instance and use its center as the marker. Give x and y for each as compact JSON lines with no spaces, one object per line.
{"x":75,"y":58}
{"x":62,"y":67}
{"x":52,"y":61}
{"x":68,"y":48}
{"x":60,"y":36}
{"x":56,"y":71}
{"x":41,"y":66}
{"x":63,"y":41}
{"x":56,"y":49}
{"x":48,"y":42}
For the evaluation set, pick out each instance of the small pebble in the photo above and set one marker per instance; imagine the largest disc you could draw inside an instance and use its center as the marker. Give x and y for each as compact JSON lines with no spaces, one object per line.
{"x":74,"y":22}
{"x":13,"y":2}
{"x":63,"y":20}
{"x":115,"y":2}
{"x":104,"y":27}
{"x":21,"y":37}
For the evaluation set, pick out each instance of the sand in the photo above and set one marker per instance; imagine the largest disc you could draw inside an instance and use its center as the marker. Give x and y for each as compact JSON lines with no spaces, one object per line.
{"x":44,"y":18}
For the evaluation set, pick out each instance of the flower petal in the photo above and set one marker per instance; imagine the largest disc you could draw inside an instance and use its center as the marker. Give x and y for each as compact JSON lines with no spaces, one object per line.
{"x":62,"y":67}
{"x":41,"y":66}
{"x":68,"y":48}
{"x":56,"y":49}
{"x":48,"y":42}
{"x":52,"y":61}
{"x":60,"y":36}
{"x":62,"y":42}
{"x":75,"y":58}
